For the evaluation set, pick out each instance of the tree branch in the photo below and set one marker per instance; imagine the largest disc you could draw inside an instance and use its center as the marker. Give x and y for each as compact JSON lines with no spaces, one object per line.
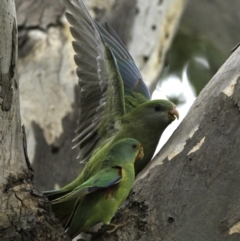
{"x":190,"y":191}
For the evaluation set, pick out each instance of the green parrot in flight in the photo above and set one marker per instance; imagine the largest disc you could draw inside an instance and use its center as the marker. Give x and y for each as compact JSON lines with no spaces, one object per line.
{"x":99,"y":197}
{"x":114,"y":101}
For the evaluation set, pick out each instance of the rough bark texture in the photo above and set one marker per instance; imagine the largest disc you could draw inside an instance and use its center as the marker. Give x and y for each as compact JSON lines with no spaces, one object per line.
{"x":48,"y":83}
{"x":190,"y":191}
{"x":24,"y":215}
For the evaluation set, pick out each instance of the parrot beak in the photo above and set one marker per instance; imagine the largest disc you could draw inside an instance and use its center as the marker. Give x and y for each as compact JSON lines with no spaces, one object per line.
{"x":140,"y":154}
{"x":173,"y":114}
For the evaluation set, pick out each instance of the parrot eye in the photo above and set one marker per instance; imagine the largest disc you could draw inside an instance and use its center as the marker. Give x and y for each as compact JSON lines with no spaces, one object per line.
{"x":134,"y":146}
{"x":157,"y":107}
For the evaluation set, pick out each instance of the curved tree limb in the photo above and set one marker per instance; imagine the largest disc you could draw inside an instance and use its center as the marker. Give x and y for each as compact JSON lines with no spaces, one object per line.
{"x":190,"y":191}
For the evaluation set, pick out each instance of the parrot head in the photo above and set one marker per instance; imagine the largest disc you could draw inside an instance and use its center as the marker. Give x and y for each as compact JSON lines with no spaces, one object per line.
{"x":155,"y":113}
{"x":126,"y":150}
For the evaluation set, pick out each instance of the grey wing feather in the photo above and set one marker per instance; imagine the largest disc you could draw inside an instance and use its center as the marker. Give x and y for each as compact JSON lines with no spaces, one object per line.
{"x":93,"y":81}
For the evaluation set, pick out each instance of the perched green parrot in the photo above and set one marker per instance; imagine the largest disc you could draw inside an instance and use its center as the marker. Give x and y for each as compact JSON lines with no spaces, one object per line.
{"x":99,"y":197}
{"x":114,"y":101}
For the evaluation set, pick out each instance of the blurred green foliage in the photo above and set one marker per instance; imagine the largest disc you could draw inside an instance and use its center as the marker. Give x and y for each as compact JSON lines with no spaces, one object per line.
{"x":196,"y":55}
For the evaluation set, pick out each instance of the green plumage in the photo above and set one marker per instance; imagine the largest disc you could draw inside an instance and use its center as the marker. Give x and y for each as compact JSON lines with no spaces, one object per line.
{"x":114,"y":102}
{"x":100,"y":196}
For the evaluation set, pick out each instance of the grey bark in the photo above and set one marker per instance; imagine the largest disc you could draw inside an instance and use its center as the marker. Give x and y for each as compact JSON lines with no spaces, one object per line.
{"x":190,"y":191}
{"x":24,"y":214}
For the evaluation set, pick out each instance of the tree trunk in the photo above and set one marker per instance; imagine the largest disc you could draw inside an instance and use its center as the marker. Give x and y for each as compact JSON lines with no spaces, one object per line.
{"x":190,"y":191}
{"x":23,"y":211}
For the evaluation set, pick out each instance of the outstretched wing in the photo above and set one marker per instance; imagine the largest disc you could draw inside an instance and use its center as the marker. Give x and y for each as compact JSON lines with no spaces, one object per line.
{"x":130,"y":74}
{"x":106,"y":72}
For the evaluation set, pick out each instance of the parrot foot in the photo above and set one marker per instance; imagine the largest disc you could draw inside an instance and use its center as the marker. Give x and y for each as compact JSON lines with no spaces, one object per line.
{"x":115,"y":226}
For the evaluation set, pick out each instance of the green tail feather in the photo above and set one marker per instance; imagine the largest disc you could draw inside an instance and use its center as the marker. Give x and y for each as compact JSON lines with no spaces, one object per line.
{"x":54,"y":194}
{"x":61,"y":210}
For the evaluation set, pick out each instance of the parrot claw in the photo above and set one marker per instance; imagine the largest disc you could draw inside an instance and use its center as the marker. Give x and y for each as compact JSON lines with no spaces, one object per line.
{"x":115,"y":227}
